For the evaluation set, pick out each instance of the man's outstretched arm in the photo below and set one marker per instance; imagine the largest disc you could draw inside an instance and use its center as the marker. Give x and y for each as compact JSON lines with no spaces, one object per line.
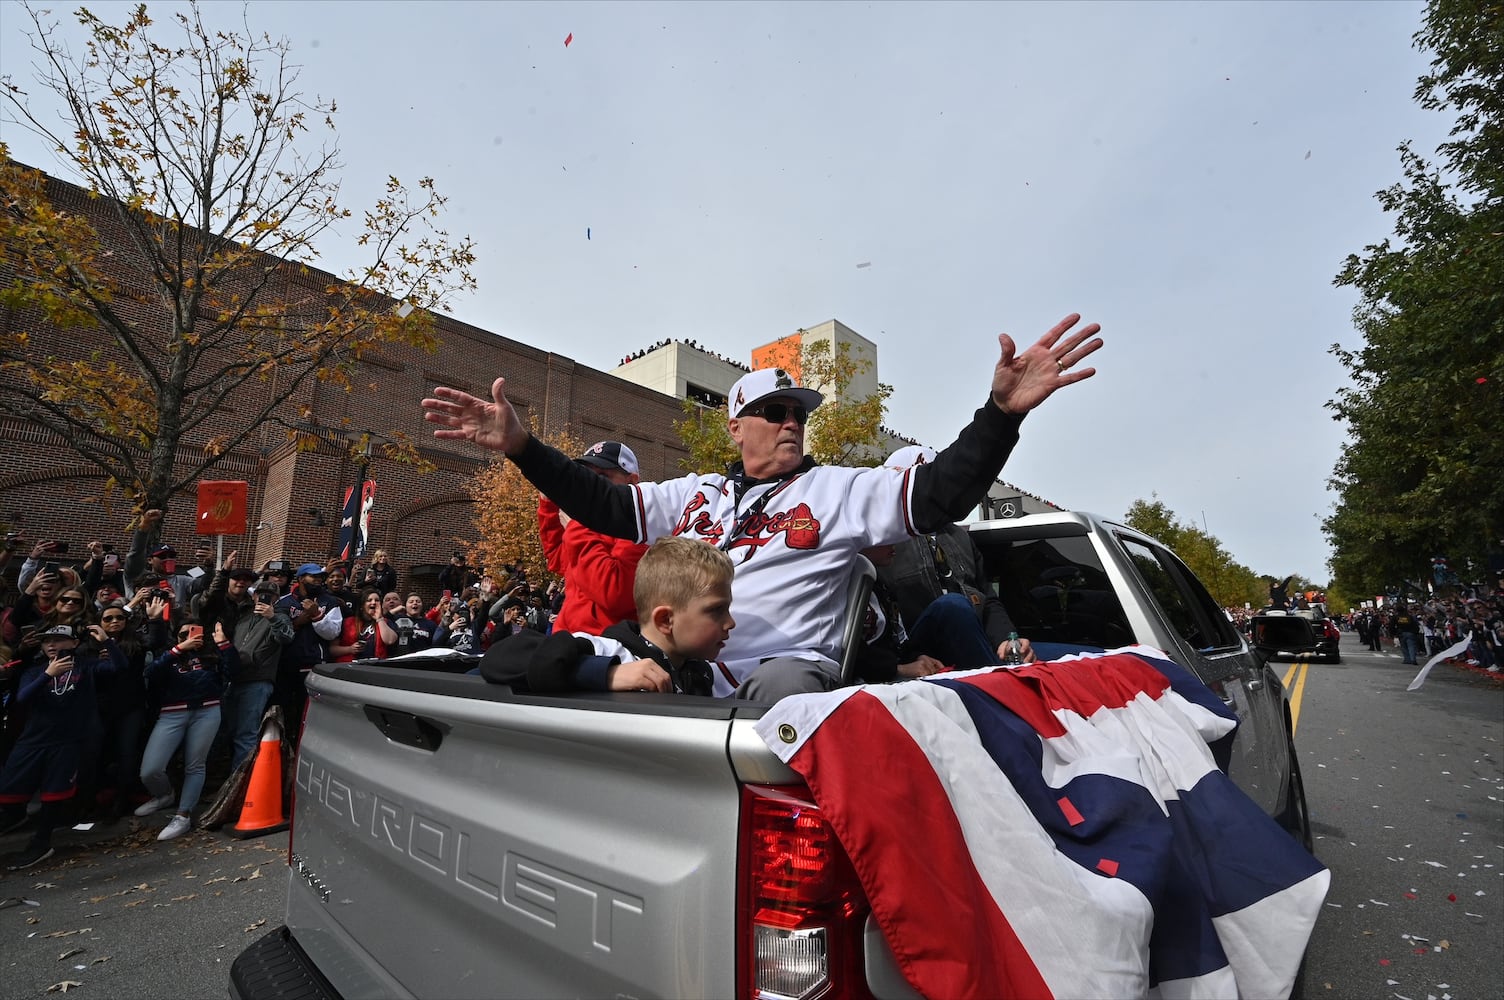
{"x":494,"y":425}
{"x":949,"y":487}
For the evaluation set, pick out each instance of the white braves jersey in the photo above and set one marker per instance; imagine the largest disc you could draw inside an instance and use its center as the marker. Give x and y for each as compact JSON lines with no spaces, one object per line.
{"x":792,"y":555}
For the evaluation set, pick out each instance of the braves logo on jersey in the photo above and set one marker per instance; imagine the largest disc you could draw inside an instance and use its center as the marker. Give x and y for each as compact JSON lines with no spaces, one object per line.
{"x":697,"y":521}
{"x":799,"y":527}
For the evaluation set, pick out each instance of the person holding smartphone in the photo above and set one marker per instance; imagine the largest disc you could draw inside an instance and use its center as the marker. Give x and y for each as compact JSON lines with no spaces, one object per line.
{"x":103,"y":569}
{"x":191,"y":675}
{"x":57,"y":688}
{"x":245,"y":608}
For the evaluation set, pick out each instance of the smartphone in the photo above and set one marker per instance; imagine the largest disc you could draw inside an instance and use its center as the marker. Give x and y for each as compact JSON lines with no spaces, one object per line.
{"x":448,"y":594}
{"x":107,"y":547}
{"x":111,"y":562}
{"x":195,"y":632}
{"x":50,"y":569}
{"x":60,"y":547}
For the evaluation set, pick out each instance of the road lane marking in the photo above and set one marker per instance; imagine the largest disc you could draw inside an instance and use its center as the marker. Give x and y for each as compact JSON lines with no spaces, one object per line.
{"x":1290,"y":675}
{"x":1300,"y":690}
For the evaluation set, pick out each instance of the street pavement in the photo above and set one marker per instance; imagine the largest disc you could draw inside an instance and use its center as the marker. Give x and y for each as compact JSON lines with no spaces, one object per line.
{"x":119,"y":914}
{"x":1406,"y":793}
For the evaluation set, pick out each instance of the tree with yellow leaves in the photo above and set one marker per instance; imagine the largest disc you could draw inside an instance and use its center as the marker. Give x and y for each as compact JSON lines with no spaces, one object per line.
{"x":506,"y":513}
{"x":186,"y":279}
{"x":841,"y":432}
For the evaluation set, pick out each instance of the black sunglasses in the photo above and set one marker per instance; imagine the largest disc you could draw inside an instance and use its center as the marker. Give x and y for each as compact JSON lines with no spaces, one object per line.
{"x":70,"y":600}
{"x":113,"y":618}
{"x":777,"y":413}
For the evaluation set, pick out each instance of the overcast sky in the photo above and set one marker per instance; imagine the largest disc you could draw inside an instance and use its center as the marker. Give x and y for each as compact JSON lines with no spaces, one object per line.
{"x":1191,"y":176}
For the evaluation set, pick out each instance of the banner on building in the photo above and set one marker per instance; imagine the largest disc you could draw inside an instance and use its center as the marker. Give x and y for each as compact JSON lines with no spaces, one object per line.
{"x":355,"y":520}
{"x":221,"y":507}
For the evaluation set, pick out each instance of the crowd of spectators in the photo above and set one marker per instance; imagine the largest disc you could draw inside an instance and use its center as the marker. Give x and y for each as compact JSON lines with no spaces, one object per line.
{"x":1418,"y":630}
{"x":687,"y":343}
{"x":1421,"y":629}
{"x":126,"y":680}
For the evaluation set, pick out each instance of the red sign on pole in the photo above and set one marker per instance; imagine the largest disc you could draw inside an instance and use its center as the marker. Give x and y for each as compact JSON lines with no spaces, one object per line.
{"x":221,"y":507}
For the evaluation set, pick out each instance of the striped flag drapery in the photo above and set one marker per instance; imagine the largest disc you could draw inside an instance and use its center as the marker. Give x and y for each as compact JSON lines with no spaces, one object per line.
{"x":1056,"y":830}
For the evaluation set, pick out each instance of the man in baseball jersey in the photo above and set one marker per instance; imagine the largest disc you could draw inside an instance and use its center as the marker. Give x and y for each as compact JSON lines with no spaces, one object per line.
{"x":790,"y":526}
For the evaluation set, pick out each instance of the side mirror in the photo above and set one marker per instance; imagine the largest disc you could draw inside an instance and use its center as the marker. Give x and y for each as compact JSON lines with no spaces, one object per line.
{"x":1282,"y":634}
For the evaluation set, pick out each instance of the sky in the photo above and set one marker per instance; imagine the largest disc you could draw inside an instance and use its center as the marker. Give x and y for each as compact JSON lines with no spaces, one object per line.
{"x":1189,"y":175}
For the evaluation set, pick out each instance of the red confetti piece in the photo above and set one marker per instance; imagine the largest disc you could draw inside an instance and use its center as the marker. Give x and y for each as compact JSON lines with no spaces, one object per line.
{"x":1069,"y":811}
{"x":1411,"y":895}
{"x":568,"y":38}
{"x":1422,"y":951}
{"x":1107,"y":866}
{"x":1451,"y":897}
{"x":1481,"y":380}
{"x":1383,"y":961}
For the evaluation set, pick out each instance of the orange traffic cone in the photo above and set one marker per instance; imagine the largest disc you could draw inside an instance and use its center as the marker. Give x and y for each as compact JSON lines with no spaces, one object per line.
{"x":262,"y":812}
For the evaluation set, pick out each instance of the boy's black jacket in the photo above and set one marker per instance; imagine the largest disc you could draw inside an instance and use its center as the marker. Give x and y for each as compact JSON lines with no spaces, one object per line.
{"x":548,"y":664}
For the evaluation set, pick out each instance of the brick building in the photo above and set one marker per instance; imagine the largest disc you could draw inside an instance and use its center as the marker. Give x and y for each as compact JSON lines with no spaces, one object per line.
{"x":47,"y":491}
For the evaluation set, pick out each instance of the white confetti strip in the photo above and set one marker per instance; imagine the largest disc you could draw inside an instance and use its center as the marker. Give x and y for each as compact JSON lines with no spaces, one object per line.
{"x":1435,"y":864}
{"x":1375,"y":902}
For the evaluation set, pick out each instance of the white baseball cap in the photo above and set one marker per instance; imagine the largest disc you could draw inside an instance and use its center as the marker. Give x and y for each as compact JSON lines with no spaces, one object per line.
{"x":765,"y":383}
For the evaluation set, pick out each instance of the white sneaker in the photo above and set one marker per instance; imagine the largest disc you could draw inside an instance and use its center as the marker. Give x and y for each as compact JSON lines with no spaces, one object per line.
{"x":155,"y":805}
{"x":180,"y":825}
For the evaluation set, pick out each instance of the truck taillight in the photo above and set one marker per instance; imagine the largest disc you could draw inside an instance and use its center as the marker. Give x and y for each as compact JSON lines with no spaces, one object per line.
{"x":800,"y":907}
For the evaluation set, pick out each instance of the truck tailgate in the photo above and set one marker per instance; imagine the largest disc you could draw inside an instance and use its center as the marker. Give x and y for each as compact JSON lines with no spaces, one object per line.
{"x":459,"y":841}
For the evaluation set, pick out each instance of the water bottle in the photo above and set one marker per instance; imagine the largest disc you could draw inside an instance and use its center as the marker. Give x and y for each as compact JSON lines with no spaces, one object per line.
{"x":1015,"y":654}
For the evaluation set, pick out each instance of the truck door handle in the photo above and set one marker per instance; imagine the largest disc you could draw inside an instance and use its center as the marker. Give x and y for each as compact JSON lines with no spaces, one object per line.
{"x":406,"y":728}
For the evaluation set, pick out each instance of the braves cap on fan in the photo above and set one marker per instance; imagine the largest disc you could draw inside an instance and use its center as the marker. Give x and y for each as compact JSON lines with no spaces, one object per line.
{"x":610,"y":455}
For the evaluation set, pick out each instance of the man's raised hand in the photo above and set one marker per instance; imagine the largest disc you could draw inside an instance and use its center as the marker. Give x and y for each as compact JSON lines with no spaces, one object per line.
{"x":461,"y":416}
{"x":1021,"y":382}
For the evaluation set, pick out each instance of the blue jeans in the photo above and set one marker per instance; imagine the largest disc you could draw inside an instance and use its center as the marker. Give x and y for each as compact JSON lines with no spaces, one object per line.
{"x":951,"y":631}
{"x":1410,"y":641}
{"x":194,"y":727}
{"x":244,"y":706}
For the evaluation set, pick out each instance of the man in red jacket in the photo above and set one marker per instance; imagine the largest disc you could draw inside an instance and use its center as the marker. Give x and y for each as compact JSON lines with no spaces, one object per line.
{"x":598,"y":570}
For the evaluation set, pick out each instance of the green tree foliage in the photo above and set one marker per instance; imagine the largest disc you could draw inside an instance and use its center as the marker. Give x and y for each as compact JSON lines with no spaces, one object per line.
{"x":841,"y":432}
{"x":1229,"y":582}
{"x":187,"y":284}
{"x":1425,"y":410}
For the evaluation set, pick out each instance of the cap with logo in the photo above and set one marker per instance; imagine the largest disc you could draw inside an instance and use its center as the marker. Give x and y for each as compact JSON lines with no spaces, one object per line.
{"x":164,"y":552}
{"x":766,"y":383}
{"x":610,"y":455}
{"x":311,"y":569}
{"x":59,"y":632}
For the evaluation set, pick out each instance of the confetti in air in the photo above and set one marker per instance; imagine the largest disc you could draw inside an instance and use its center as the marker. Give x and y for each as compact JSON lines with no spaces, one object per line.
{"x":568,"y":38}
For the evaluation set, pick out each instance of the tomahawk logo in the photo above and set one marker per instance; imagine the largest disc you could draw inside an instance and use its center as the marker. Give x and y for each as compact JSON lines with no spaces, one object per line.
{"x":741,"y":398}
{"x":799,"y":527}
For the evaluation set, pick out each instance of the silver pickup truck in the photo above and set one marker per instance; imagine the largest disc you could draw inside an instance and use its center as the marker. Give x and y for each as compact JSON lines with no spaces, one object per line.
{"x":451,"y":838}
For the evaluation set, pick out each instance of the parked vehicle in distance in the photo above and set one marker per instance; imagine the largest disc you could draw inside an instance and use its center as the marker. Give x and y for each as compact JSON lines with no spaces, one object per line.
{"x":454,"y":838}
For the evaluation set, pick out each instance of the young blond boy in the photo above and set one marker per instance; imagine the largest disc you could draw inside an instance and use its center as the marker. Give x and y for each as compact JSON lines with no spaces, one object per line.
{"x":683,"y":598}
